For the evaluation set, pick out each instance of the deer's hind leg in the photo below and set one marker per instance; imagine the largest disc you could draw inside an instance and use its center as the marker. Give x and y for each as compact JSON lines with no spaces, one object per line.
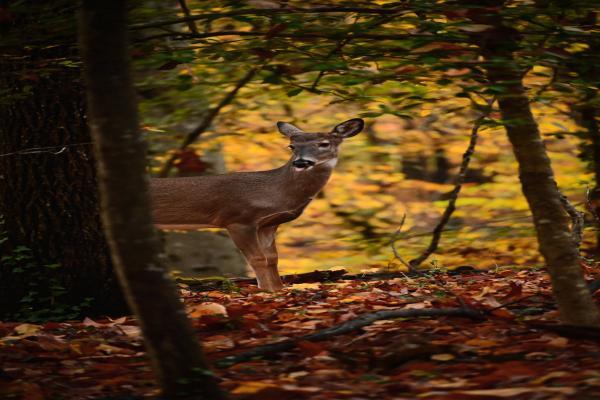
{"x":257,"y":246}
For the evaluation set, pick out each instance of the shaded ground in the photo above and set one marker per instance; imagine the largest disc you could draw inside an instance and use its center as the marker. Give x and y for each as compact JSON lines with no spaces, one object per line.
{"x":507,"y":355}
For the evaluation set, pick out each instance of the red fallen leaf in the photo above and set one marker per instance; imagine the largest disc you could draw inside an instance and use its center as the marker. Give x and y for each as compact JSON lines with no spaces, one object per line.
{"x":503,"y":313}
{"x":310,"y":349}
{"x":236,"y":311}
{"x":84,"y":347}
{"x":516,"y":291}
{"x":48,"y":326}
{"x":288,"y":316}
{"x":52,"y":343}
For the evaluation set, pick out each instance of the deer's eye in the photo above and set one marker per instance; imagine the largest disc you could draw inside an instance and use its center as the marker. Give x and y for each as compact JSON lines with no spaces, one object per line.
{"x":291,"y":147}
{"x":324,"y":145}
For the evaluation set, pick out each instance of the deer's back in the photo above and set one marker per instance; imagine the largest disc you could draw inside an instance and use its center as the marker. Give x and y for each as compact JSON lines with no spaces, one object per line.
{"x":212,"y":200}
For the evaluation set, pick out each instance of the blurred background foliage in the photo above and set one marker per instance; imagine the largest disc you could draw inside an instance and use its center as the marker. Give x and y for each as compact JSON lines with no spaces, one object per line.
{"x":227,"y":71}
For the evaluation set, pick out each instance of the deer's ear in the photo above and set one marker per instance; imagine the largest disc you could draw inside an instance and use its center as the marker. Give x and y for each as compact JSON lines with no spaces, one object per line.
{"x":349,"y":128}
{"x":288,"y":130}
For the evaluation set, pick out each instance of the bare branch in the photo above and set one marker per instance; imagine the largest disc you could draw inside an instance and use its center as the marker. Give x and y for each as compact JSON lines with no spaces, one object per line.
{"x":397,"y":255}
{"x":190,"y":22}
{"x":347,"y":327}
{"x":209,"y":118}
{"x":437,"y":232}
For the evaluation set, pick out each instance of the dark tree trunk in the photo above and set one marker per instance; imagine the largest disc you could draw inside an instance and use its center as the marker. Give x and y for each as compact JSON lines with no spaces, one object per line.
{"x":48,"y":197}
{"x":173,"y":349}
{"x":556,"y":244}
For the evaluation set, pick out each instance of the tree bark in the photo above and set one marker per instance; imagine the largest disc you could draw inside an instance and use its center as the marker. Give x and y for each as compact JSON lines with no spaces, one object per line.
{"x":175,"y":354}
{"x":48,"y":193}
{"x":556,"y":244}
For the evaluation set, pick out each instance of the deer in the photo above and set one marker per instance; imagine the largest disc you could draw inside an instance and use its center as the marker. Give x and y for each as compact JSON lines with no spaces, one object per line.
{"x":252,"y":205}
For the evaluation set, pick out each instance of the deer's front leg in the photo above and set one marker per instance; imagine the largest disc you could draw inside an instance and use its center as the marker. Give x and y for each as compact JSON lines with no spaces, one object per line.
{"x":248,"y":240}
{"x":266,"y":237}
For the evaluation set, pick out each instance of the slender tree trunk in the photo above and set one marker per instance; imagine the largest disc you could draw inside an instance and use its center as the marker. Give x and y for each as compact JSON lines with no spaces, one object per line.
{"x":48,"y":192}
{"x":575,"y":303}
{"x":174,"y":351}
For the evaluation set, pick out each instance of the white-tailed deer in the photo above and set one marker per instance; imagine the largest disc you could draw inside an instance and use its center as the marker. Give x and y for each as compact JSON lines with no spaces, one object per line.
{"x":252,"y":205}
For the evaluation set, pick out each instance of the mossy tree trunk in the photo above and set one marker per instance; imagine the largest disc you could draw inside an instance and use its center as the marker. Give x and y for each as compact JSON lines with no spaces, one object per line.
{"x":48,"y":193}
{"x":556,"y":244}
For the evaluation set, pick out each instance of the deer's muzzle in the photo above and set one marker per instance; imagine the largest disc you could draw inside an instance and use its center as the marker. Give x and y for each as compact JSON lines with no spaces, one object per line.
{"x":302,"y":163}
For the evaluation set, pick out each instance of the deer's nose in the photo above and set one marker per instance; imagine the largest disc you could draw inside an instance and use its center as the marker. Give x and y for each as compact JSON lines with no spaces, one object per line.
{"x":302,"y":163}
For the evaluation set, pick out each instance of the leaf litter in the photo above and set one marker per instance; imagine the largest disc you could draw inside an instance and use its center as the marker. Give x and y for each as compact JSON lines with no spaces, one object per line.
{"x":513,"y":352}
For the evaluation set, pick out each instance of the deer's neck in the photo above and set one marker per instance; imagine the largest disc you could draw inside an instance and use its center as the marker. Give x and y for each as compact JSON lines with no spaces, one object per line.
{"x":306,"y":184}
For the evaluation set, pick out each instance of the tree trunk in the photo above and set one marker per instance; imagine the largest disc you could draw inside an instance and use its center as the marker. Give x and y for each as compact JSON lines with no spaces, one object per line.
{"x":575,"y":303}
{"x":48,"y":196}
{"x":175,"y":354}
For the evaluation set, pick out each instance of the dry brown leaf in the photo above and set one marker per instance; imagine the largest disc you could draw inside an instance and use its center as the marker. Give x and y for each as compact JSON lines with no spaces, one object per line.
{"x":253,"y":387}
{"x":209,"y":308}
{"x":481,"y":343}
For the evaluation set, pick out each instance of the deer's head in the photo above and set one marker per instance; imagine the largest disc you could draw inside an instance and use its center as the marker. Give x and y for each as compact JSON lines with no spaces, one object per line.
{"x":312,"y":149}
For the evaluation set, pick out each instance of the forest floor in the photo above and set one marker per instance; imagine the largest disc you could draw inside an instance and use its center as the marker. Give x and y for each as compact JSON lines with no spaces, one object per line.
{"x":516,"y":350}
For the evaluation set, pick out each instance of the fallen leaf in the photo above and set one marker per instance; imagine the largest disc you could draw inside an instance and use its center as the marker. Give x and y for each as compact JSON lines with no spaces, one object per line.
{"x":209,"y":308}
{"x":252,"y":387}
{"x":218,"y":342}
{"x":443,"y":357}
{"x":481,"y":343}
{"x":547,"y":377}
{"x":448,"y":384}
{"x":25,"y":330}
{"x":310,"y":349}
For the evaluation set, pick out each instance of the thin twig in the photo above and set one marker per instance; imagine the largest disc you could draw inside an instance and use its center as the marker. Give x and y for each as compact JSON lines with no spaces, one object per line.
{"x":191,"y":23}
{"x":397,"y":255}
{"x":340,"y":45}
{"x":347,"y":327}
{"x":209,"y":117}
{"x":437,"y":232}
{"x":48,"y":149}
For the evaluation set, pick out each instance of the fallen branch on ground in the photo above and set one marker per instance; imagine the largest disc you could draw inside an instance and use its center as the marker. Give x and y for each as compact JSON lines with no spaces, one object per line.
{"x":220,"y":283}
{"x":199,"y":284}
{"x":347,"y":327}
{"x":570,"y":331}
